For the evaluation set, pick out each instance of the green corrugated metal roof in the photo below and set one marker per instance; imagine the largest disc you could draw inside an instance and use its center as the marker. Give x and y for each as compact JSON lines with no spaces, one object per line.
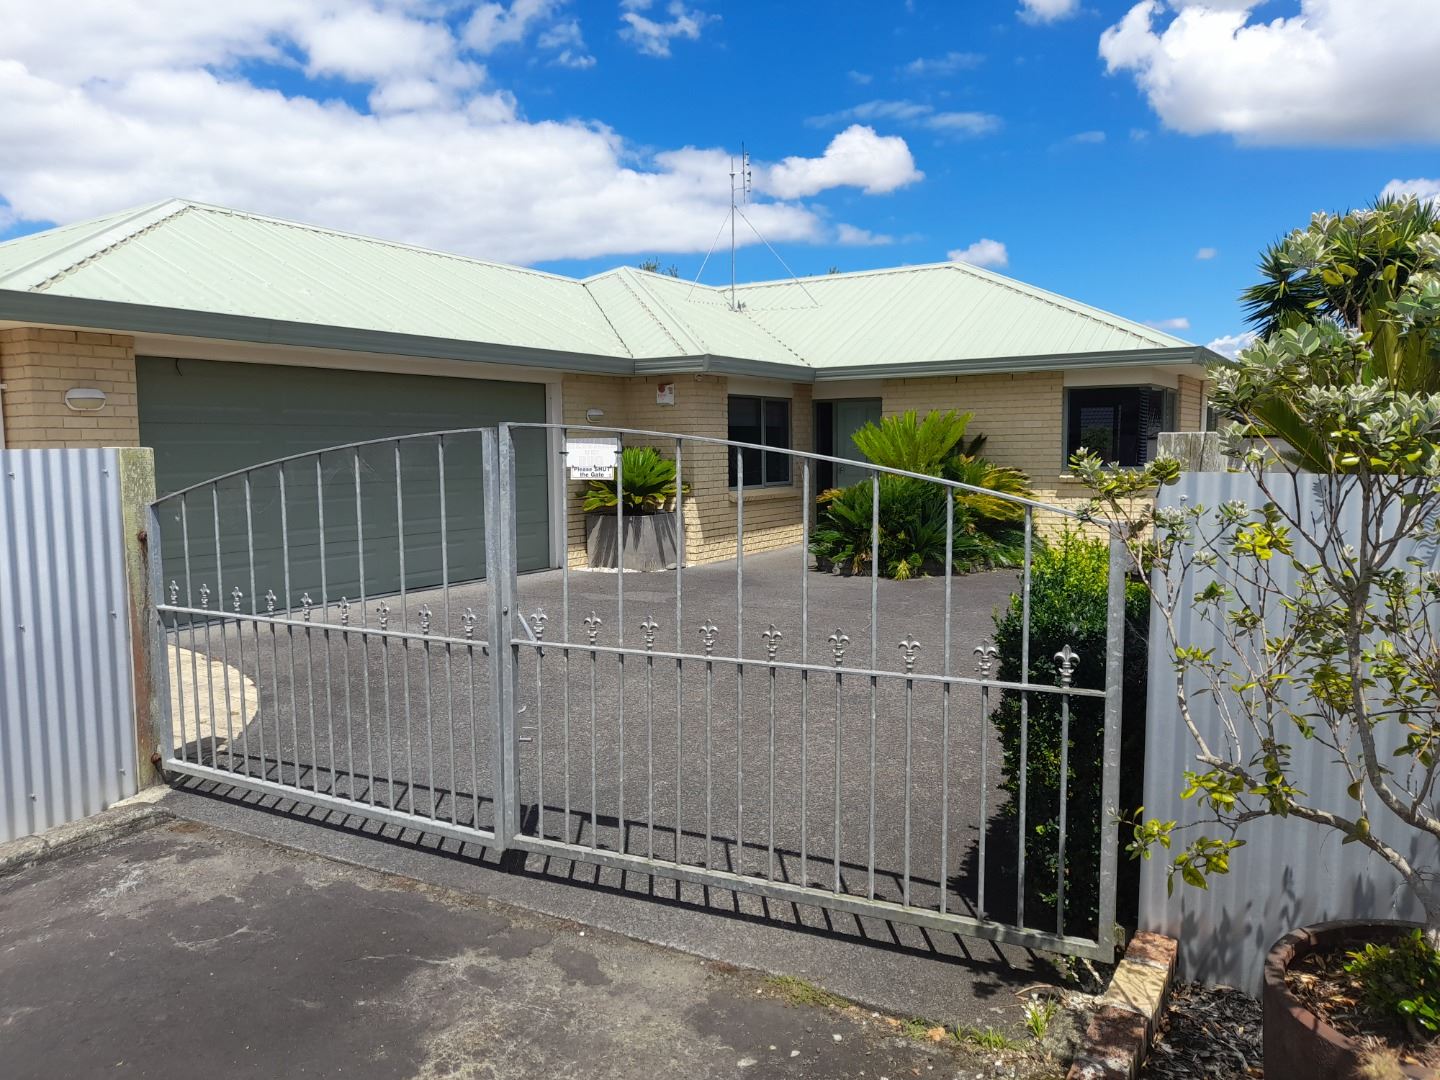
{"x":191,"y":257}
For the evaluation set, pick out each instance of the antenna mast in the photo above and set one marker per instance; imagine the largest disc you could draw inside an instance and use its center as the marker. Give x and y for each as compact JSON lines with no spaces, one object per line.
{"x":738,"y":193}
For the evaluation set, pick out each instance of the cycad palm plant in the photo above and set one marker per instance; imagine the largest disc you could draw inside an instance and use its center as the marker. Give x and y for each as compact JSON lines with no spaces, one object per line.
{"x":647,"y":479}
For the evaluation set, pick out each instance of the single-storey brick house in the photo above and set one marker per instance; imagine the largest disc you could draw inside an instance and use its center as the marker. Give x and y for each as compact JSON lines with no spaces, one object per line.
{"x":223,"y":339}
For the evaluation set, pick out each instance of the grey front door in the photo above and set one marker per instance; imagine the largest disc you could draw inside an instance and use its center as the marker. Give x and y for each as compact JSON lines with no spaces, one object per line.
{"x":205,"y":418}
{"x":850,"y":416}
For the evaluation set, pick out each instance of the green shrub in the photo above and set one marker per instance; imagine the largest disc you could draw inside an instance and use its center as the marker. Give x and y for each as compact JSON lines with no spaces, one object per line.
{"x":912,"y":531}
{"x":987,"y":528}
{"x":1401,"y":981}
{"x":1068,"y":606}
{"x":649,"y":481}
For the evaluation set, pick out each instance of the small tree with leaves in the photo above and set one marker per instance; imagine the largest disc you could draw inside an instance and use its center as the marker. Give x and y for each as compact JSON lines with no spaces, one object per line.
{"x":1341,"y":650}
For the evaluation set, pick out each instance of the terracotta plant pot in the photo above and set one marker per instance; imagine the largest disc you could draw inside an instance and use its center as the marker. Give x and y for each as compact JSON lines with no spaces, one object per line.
{"x":1298,"y":1044}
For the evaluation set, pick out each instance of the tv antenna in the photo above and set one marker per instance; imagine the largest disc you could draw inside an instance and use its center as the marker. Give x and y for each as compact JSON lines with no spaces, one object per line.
{"x":741,"y":181}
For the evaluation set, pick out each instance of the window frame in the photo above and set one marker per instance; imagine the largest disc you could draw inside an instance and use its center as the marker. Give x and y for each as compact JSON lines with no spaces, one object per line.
{"x":761,"y":401}
{"x":1170,"y":418}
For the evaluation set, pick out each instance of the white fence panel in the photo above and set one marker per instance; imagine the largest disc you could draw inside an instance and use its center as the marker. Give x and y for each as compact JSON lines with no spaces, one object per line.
{"x":67,"y":703}
{"x":1289,"y":873}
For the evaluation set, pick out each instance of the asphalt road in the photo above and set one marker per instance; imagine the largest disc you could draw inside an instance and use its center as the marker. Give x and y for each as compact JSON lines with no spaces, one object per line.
{"x":187,"y":951}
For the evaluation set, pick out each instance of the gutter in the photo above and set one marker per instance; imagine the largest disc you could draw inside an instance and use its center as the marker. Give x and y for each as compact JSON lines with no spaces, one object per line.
{"x":116,"y":316}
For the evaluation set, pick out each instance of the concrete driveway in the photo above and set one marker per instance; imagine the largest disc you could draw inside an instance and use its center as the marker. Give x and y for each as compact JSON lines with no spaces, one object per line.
{"x":187,"y":951}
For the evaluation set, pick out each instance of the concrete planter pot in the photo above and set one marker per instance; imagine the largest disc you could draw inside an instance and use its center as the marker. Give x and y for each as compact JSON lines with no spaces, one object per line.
{"x":650,"y":542}
{"x":1298,"y":1044}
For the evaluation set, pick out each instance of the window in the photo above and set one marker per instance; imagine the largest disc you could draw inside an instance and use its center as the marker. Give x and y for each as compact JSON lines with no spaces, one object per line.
{"x":765,"y":421}
{"x":1120,"y":423}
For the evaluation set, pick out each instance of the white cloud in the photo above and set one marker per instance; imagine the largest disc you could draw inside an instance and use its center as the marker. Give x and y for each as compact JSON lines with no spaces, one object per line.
{"x":569,"y":42}
{"x":1420,"y":187}
{"x":913,"y":113}
{"x":1177,"y":323}
{"x":948,"y":64}
{"x":1083,"y":138}
{"x":1339,"y":72}
{"x":1046,"y":11}
{"x":494,"y":24}
{"x":1206,"y":253}
{"x":860,"y":78}
{"x":115,"y":103}
{"x":982,"y":252}
{"x":653,"y":36}
{"x":857,"y":157}
{"x":1231,"y":344}
{"x":857,"y":237}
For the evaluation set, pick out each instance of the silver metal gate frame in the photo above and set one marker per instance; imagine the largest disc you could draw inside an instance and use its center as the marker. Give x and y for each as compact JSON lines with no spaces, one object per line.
{"x":510,"y":633}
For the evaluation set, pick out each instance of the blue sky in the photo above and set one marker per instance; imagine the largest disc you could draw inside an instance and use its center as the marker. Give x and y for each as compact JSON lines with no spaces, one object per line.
{"x":1131,"y":155}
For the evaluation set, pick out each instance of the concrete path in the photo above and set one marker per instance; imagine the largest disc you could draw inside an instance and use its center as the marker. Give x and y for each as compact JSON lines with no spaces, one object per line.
{"x":187,"y":951}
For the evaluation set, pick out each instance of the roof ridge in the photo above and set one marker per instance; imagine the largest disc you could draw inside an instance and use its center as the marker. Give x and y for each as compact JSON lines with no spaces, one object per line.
{"x":632,"y":280}
{"x":116,"y":229}
{"x":1075,"y":307}
{"x":585,"y":285}
{"x":382,"y":241}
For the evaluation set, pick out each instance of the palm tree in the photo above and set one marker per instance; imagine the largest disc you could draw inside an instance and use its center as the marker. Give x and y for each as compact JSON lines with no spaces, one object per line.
{"x":1360,"y":272}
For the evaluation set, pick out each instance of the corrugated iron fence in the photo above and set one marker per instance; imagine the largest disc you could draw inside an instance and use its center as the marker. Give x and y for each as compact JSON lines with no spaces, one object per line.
{"x":1289,"y":873}
{"x":67,"y":710}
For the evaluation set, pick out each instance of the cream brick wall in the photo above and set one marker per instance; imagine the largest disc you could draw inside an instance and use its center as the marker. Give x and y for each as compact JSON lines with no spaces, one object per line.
{"x":1190,"y":408}
{"x":772,"y":515}
{"x":37,"y":366}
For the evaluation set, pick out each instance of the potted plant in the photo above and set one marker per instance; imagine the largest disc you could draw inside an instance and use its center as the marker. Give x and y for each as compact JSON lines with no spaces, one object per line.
{"x":1322,"y":606}
{"x":650,"y":522}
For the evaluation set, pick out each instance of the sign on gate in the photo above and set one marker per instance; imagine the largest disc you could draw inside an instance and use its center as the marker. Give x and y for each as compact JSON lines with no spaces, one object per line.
{"x":591,"y":458}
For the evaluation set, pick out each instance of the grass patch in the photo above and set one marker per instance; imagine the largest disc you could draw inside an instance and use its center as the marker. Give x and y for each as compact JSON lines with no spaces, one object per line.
{"x":987,"y":1038}
{"x":799,"y":992}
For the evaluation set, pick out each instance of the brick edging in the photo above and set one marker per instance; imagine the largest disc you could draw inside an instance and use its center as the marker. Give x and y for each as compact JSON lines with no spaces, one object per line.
{"x":1118,"y":1035}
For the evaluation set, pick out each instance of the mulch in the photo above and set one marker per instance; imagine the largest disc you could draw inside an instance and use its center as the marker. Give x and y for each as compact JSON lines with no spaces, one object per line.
{"x":1207,"y":1032}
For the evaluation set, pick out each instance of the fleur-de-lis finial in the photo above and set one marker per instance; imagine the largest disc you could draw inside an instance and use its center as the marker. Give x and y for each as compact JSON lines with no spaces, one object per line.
{"x":174,"y":592}
{"x":909,"y":648}
{"x":648,"y":628}
{"x":985,"y":654}
{"x":425,"y":614}
{"x":235,"y":596}
{"x":708,"y":632}
{"x":305,"y":605}
{"x":344,"y":611}
{"x":592,"y":626}
{"x":772,"y":642}
{"x":270,"y":599}
{"x":205,"y":596}
{"x":467,"y":622}
{"x":383,"y":611}
{"x":537,"y":624}
{"x":838,"y":640}
{"x":1067,"y":658}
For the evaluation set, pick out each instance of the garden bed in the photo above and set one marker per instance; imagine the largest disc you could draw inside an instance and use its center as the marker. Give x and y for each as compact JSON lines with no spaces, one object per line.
{"x":1207,"y":1032}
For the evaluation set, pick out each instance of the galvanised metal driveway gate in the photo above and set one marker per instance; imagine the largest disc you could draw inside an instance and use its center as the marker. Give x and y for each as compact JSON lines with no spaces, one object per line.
{"x":748,"y":725}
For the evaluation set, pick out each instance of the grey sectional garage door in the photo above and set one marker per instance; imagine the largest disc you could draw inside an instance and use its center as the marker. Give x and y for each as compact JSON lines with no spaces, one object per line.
{"x":205,"y":418}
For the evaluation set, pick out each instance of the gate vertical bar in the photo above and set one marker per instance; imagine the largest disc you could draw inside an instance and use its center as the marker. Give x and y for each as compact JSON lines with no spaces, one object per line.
{"x":1110,"y":767}
{"x":498,"y":454}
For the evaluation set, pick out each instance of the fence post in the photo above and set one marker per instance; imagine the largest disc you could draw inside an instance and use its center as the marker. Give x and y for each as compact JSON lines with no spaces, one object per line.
{"x":137,"y":492}
{"x":1110,"y":767}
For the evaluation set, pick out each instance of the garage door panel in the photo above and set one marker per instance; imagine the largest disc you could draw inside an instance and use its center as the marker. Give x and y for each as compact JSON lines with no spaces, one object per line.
{"x":206,"y":418}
